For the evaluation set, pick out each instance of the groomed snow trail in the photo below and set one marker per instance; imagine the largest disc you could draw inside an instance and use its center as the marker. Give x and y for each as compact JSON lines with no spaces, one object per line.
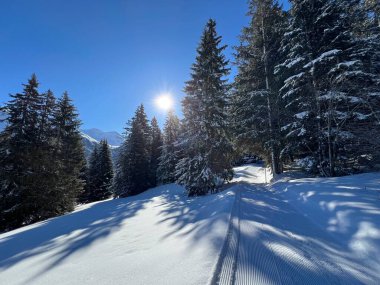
{"x":270,"y":242}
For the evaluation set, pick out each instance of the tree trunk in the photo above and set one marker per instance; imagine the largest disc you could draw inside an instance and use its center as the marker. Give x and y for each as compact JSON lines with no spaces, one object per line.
{"x":274,"y":158}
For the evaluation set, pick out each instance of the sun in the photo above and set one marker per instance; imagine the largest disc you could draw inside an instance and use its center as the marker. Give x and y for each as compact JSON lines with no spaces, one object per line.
{"x":164,"y":102}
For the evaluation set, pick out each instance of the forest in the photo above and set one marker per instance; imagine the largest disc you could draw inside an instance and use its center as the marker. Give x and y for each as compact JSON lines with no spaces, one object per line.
{"x":306,"y":95}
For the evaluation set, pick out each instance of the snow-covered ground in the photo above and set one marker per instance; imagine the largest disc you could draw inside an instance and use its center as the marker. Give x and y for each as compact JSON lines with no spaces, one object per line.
{"x":294,"y":231}
{"x":303,"y":231}
{"x":158,"y":237}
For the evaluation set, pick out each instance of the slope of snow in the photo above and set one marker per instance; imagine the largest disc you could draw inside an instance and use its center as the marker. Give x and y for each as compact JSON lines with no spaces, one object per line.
{"x":89,"y":144}
{"x":252,"y":174}
{"x":113,"y":138}
{"x":158,"y":237}
{"x":294,"y":231}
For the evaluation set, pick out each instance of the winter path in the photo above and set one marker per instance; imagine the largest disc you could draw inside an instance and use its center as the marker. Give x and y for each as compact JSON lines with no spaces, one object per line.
{"x":269,"y":241}
{"x":294,"y":231}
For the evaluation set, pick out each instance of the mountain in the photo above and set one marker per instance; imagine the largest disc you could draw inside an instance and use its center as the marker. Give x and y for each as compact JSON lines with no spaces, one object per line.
{"x":113,"y":138}
{"x":90,"y":138}
{"x":89,"y":143}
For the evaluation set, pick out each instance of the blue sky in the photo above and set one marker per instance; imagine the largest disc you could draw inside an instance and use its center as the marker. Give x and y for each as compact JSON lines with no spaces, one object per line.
{"x":109,"y":55}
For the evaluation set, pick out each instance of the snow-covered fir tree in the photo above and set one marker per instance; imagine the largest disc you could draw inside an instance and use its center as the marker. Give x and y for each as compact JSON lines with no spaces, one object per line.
{"x":205,"y":143}
{"x":323,"y":91}
{"x":169,"y":153}
{"x":155,"y":151}
{"x":133,"y":166}
{"x":256,"y":104}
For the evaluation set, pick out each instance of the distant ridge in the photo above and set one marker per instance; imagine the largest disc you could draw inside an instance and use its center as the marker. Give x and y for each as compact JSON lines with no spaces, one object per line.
{"x":113,"y":138}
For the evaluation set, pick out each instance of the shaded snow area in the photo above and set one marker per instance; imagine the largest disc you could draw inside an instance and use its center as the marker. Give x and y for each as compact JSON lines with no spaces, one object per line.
{"x":303,"y":231}
{"x":158,"y":237}
{"x":347,"y":211}
{"x":293,"y":231}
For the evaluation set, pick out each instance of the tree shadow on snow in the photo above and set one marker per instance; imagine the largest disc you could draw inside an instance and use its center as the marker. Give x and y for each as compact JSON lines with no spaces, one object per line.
{"x":291,"y":248}
{"x":201,"y":218}
{"x":67,"y":234}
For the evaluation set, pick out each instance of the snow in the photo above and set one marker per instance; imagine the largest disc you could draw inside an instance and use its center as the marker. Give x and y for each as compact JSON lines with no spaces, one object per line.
{"x":294,"y":62}
{"x":326,"y":55}
{"x":158,"y":237}
{"x":303,"y":231}
{"x":90,"y":139}
{"x":347,"y":211}
{"x":293,"y":231}
{"x":114,"y":139}
{"x":302,"y":115}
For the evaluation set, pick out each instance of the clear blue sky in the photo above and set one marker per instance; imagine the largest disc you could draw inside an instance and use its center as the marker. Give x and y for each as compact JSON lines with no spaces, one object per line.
{"x":109,"y":55}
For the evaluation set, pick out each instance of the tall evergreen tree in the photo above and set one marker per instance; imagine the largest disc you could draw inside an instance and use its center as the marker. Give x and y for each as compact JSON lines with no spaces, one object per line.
{"x":323,"y":90}
{"x":205,"y":143}
{"x":256,"y":110}
{"x":100,"y":174}
{"x":133,"y":167}
{"x":69,"y":155}
{"x":90,"y":176}
{"x":17,"y":155}
{"x":155,"y":152}
{"x":169,"y":155}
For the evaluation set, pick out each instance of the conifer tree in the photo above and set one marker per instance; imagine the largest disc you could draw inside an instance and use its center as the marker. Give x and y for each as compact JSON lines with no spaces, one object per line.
{"x":323,"y":90}
{"x":29,"y":172}
{"x":133,"y":167}
{"x":256,"y":104}
{"x":69,"y":154}
{"x":156,"y":144}
{"x":19,"y":179}
{"x":169,"y":153}
{"x":100,"y":174}
{"x":205,"y":143}
{"x":89,"y":176}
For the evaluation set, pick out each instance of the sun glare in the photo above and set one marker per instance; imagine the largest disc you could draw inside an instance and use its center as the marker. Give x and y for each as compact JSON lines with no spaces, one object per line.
{"x":164,"y":102}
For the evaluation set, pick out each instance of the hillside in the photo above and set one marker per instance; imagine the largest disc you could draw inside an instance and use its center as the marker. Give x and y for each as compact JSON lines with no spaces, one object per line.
{"x":295,"y":231}
{"x":113,"y":138}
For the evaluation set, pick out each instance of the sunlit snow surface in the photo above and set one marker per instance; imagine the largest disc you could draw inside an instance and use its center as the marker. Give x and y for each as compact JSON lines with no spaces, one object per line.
{"x":158,"y":237}
{"x":293,"y":231}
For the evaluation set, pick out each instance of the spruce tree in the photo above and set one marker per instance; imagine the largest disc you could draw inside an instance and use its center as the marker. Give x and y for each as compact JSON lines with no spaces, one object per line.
{"x":133,"y":167}
{"x":68,"y":154}
{"x":27,"y":171}
{"x":323,"y":92}
{"x":169,"y":153}
{"x":91,"y":176}
{"x":100,"y":174}
{"x":17,"y":155}
{"x":205,"y":143}
{"x":155,"y":152}
{"x":256,"y":104}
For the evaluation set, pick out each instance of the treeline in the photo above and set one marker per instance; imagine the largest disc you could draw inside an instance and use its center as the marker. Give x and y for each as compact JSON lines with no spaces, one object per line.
{"x":41,"y":157}
{"x":307,"y":90}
